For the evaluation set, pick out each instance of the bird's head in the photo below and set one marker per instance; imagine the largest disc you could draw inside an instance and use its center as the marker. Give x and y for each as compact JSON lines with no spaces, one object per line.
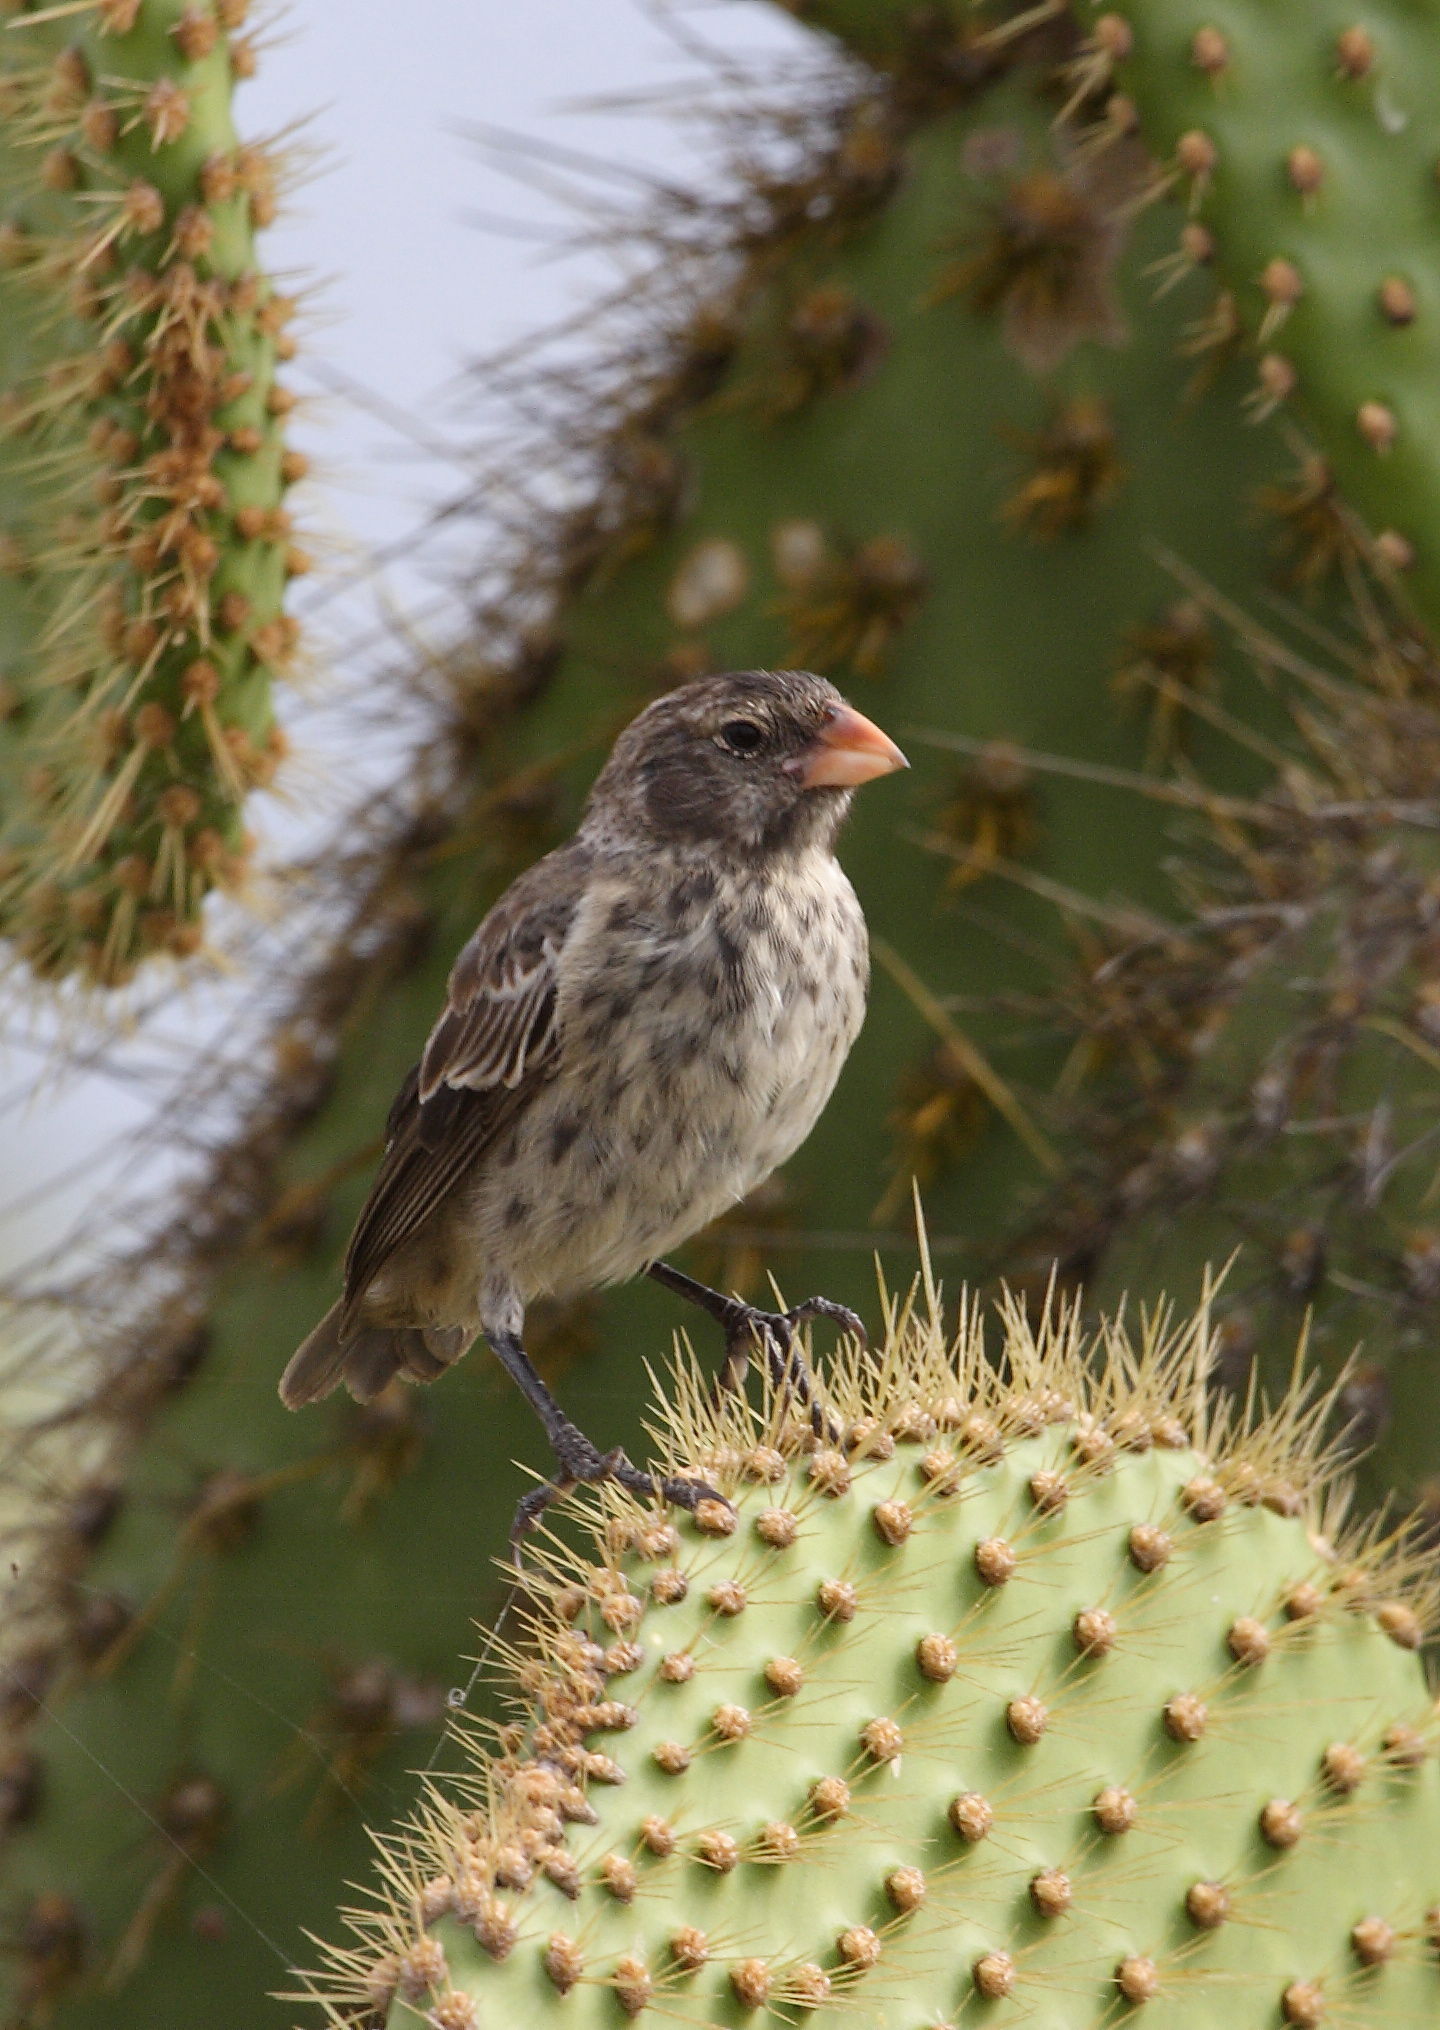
{"x":754,"y":761}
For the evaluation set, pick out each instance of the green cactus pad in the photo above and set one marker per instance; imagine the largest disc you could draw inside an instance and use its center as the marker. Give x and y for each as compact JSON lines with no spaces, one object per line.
{"x":1051,"y":1692}
{"x":1309,"y":148}
{"x":144,"y":550}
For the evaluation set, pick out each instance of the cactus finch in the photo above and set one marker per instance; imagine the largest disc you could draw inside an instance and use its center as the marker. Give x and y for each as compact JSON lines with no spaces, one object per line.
{"x":647,"y":1023}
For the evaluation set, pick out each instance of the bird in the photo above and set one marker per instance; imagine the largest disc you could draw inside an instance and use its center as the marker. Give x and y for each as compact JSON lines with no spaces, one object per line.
{"x":646,"y":1024}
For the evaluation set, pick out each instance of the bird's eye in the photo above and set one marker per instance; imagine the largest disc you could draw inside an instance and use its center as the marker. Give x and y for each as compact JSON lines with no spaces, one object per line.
{"x":742,"y":736}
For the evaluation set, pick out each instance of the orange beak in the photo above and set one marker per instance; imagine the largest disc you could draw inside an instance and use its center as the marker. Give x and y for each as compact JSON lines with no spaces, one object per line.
{"x":849,"y":751}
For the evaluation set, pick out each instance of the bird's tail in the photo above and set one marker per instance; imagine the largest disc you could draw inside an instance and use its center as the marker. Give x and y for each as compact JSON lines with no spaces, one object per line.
{"x":366,"y":1357}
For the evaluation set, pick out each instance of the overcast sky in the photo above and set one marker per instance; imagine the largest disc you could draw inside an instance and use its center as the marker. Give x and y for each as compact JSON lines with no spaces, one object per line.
{"x":427,"y":253}
{"x":422,"y":255}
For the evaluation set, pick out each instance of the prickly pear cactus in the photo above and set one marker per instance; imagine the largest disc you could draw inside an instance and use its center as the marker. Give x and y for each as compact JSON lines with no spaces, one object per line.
{"x":1304,"y":152}
{"x":829,"y":444}
{"x":734,"y":523}
{"x":144,"y":547}
{"x":1056,"y":1690}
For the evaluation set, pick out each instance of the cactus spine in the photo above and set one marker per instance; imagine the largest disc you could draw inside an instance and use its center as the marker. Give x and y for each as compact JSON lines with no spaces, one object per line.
{"x":142,"y":471}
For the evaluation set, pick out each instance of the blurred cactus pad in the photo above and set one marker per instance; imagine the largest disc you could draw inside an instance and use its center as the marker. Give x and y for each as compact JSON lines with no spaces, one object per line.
{"x":939,"y":385}
{"x":1060,"y":1691}
{"x":144,"y":548}
{"x":1305,"y":153}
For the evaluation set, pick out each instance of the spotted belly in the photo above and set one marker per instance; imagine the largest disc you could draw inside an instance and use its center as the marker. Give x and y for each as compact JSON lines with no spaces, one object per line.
{"x":656,"y":1124}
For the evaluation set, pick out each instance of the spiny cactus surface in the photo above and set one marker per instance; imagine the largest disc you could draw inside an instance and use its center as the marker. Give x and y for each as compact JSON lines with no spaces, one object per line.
{"x":144,"y":549}
{"x":1305,"y":148}
{"x":1050,"y":1691}
{"x":1308,"y":147}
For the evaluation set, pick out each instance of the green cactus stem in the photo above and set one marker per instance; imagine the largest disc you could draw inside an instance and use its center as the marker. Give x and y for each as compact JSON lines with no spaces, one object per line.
{"x":1058,"y":1691}
{"x":144,"y":546}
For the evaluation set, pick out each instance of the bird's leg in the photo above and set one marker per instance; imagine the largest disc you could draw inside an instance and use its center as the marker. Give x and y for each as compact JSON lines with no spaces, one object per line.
{"x":576,"y":1458}
{"x":749,"y":1330}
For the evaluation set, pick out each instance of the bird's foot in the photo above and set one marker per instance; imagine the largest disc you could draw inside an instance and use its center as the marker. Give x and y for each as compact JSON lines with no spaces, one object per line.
{"x":749,"y":1330}
{"x":577,"y":1460}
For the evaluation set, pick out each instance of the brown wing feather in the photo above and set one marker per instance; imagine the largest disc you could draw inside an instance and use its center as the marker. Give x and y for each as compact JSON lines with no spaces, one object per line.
{"x":496,"y":1017}
{"x":422,"y":1165}
{"x":494,"y":1042}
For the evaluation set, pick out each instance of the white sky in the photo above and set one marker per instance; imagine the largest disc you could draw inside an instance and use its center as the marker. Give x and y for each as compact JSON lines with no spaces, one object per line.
{"x":411,"y":288}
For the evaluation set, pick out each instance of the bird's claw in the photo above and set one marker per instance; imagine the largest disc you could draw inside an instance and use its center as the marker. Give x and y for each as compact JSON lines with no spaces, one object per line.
{"x":826,"y":1307}
{"x":689,"y":1494}
{"x":580,"y":1461}
{"x":751,"y":1329}
{"x":577,"y":1459}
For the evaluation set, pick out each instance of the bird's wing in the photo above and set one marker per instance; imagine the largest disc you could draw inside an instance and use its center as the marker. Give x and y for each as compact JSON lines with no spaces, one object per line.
{"x":494,"y":1043}
{"x":499,"y":1009}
